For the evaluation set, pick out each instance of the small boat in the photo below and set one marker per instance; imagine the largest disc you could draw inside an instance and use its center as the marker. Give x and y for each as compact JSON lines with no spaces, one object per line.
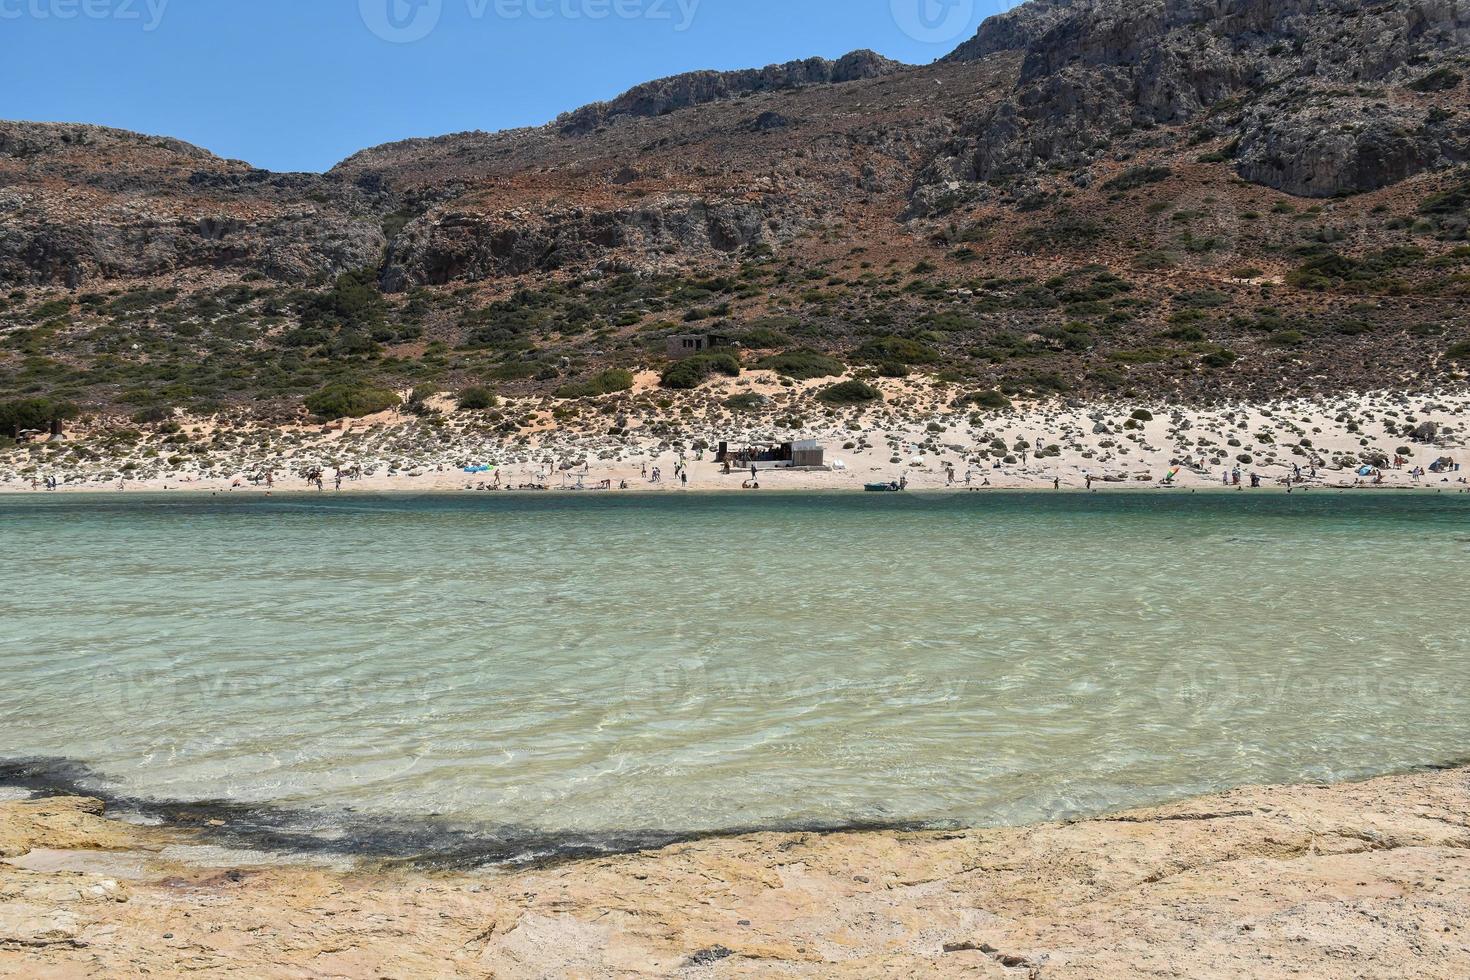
{"x":882,"y":487}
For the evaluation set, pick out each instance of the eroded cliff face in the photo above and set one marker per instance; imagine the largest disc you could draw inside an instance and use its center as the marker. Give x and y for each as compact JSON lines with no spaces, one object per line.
{"x":85,"y":203}
{"x":1319,"y":94}
{"x":1315,"y":98}
{"x":666,"y":95}
{"x":452,"y":243}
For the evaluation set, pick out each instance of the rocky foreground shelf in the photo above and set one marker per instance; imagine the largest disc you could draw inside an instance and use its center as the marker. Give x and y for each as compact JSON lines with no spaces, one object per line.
{"x":1363,"y":880}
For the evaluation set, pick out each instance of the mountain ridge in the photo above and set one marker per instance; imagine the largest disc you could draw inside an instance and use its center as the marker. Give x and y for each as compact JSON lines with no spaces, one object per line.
{"x":1088,"y":196}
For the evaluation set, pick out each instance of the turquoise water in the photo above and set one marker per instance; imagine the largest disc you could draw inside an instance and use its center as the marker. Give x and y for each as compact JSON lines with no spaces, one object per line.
{"x":589,"y":665}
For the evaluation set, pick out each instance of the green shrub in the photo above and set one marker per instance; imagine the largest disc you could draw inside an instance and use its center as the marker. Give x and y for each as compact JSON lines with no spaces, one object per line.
{"x":477,"y":398}
{"x":691,"y":372}
{"x":1329,"y":270}
{"x":1069,"y":230}
{"x":1142,"y":415}
{"x":766,"y":335}
{"x":899,"y":349}
{"x":802,"y":365}
{"x":1136,"y":177}
{"x":747,"y":401}
{"x":607,"y":383}
{"x":1142,"y":355}
{"x":893,"y":369}
{"x":849,"y":393}
{"x":348,"y":400}
{"x":51,"y":310}
{"x":1439,"y":80}
{"x":153,"y":414}
{"x":1459,"y":352}
{"x":1221,"y":358}
{"x":353,"y":303}
{"x":986,"y":399}
{"x":33,"y":413}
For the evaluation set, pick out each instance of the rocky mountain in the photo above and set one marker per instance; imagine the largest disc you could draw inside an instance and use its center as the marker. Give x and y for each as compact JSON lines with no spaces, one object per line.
{"x":696,"y":88}
{"x":1316,"y":96}
{"x":82,"y":204}
{"x":1195,"y":195}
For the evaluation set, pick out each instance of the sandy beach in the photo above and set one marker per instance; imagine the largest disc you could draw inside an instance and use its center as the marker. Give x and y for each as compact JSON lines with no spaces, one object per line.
{"x":1365,"y":880}
{"x":917,"y":435}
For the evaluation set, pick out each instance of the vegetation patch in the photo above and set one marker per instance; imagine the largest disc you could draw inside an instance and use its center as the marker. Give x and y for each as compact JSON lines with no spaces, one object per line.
{"x":33,"y":413}
{"x":692,"y":372}
{"x":348,"y":400}
{"x":1439,"y":80}
{"x":900,"y":349}
{"x":477,"y":398}
{"x":1136,"y":177}
{"x":985,"y":399}
{"x":747,"y":401}
{"x":849,"y":393}
{"x":607,"y":382}
{"x":802,"y":364}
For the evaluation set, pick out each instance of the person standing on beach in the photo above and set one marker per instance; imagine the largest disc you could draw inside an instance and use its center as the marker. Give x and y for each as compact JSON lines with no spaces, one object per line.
{"x":1056,"y":483}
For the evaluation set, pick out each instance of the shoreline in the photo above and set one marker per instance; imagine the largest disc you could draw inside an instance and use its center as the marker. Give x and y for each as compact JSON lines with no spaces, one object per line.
{"x":1370,"y":878}
{"x":1314,"y":443}
{"x":286,"y":835}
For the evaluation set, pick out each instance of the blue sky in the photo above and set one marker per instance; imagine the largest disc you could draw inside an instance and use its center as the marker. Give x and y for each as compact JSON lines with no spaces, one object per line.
{"x":300,"y":84}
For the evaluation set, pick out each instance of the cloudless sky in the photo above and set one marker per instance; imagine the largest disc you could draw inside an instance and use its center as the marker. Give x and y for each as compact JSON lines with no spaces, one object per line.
{"x":301,"y":84}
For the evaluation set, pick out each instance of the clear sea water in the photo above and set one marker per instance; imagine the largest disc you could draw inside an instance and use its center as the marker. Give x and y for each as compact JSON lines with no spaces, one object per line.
{"x":575,"y":668}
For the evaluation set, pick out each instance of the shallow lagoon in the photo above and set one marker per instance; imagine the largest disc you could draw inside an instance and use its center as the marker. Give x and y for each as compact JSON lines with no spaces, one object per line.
{"x":577,"y":666}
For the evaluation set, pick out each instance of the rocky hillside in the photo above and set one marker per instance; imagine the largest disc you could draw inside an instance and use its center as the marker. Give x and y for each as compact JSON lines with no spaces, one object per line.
{"x":1196,"y":198}
{"x":84,"y":204}
{"x":696,"y":88}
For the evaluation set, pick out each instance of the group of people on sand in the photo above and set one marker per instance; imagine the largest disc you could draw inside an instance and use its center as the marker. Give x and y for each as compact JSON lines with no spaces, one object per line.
{"x":51,"y":483}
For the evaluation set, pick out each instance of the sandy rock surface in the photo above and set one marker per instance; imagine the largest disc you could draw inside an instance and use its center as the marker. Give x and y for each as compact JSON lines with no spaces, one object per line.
{"x":1362,"y":880}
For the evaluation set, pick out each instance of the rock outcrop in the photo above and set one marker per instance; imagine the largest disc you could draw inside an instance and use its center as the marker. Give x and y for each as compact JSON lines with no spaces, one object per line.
{"x":1316,"y":98}
{"x":85,"y":203}
{"x":1096,"y":70}
{"x":1365,"y":880}
{"x":455,"y":244}
{"x":667,"y":95}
